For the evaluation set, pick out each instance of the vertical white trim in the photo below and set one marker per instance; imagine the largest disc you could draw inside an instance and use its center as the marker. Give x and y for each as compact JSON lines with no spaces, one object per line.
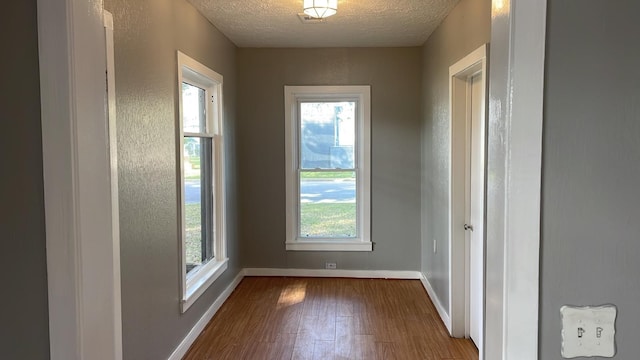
{"x":113,"y":161}
{"x":513,"y":187}
{"x":459,"y":75}
{"x":81,"y":268}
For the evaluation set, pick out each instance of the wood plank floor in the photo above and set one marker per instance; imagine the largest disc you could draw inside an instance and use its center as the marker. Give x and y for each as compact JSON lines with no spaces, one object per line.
{"x":324,"y":318}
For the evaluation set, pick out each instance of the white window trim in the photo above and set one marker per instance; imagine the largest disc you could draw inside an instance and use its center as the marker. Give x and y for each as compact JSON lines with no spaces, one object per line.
{"x":293,"y":94}
{"x":196,"y":284}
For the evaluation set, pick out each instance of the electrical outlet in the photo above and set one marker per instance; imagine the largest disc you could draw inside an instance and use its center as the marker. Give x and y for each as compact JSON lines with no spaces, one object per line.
{"x":330,"y":265}
{"x":435,"y":246}
{"x":588,"y":331}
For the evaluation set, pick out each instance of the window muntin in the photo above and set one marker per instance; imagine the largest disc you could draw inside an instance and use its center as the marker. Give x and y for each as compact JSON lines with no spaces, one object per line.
{"x":201,"y":203}
{"x":328,"y":179}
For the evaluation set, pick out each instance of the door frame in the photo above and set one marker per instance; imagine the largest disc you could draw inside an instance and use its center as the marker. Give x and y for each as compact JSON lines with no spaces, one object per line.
{"x":113,"y":167}
{"x":514,"y":168}
{"x":82,"y":237}
{"x":459,"y":196}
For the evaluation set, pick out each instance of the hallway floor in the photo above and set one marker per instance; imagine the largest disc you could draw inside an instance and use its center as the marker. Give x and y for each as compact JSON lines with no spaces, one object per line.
{"x":326,"y":318}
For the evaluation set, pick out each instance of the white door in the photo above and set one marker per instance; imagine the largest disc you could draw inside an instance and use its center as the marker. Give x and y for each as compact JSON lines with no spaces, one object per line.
{"x":466,"y":286}
{"x":476,"y":209}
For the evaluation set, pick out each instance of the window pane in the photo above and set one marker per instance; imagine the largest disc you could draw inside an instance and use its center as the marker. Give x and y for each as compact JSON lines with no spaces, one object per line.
{"x":193,"y":109}
{"x":198,"y":201}
{"x":327,"y":135}
{"x":328,"y":204}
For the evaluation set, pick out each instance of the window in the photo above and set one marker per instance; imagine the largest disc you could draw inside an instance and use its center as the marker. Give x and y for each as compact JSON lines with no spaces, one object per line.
{"x":201,"y":173}
{"x":328,"y":168}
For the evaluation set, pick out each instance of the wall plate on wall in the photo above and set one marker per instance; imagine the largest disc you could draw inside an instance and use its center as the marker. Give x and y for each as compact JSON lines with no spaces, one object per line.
{"x":588,"y":331}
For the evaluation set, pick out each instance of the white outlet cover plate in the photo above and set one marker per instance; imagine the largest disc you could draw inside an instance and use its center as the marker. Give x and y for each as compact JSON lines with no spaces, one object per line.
{"x":588,"y":331}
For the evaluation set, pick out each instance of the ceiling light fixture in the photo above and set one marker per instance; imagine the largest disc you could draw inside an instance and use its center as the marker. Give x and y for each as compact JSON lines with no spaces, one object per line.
{"x":320,"y":8}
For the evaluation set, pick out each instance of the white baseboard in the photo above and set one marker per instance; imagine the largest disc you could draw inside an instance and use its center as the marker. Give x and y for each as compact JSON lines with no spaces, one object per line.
{"x":186,"y":343}
{"x":368,"y":274}
{"x":436,"y":302}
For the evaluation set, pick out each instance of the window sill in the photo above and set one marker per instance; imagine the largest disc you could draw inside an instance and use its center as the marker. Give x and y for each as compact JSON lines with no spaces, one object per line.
{"x":329,"y":245}
{"x":201,"y":281}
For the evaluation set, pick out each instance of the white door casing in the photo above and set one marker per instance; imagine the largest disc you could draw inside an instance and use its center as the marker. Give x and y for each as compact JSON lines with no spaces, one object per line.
{"x":113,"y":163}
{"x":461,"y":75}
{"x":83,"y":266}
{"x":514,"y":157}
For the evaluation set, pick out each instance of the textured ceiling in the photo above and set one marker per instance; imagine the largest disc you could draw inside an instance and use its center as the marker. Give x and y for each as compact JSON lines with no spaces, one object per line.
{"x":358,"y":23}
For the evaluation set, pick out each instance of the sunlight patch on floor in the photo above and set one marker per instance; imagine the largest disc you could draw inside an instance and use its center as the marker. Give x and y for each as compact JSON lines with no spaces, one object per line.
{"x":291,"y":295}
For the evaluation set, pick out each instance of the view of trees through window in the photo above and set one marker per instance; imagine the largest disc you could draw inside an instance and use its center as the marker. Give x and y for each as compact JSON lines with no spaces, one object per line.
{"x":327,"y":174}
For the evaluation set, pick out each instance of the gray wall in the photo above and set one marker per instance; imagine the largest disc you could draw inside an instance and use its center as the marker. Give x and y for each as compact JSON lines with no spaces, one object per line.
{"x":466,"y":28}
{"x":591,"y":167}
{"x":24,"y":322}
{"x":394,"y":75}
{"x":147,"y":35}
